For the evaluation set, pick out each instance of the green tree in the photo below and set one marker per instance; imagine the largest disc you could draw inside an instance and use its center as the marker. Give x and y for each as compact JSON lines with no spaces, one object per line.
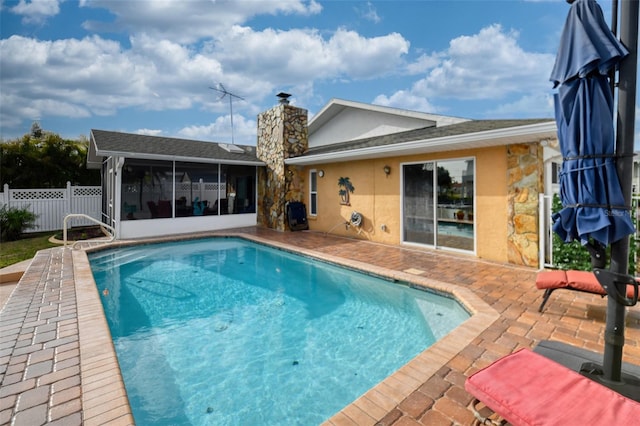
{"x":43,"y":159}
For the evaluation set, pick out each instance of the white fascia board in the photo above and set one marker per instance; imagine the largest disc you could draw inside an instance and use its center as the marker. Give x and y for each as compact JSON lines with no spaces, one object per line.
{"x":178,"y":158}
{"x":539,"y":131}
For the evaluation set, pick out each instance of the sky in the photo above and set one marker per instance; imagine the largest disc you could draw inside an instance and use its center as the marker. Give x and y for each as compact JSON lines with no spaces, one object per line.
{"x":152,"y":67}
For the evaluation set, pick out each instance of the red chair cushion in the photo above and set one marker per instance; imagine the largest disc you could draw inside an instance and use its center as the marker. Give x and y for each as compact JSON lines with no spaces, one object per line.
{"x":551,"y":279}
{"x":526,"y":388}
{"x":585,"y":281}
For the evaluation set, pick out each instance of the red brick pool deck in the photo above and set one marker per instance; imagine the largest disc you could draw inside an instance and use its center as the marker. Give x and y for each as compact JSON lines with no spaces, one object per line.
{"x":57,"y":364}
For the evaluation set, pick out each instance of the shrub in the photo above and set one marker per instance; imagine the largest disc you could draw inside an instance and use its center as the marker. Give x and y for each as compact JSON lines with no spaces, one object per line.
{"x":574,"y":256}
{"x":14,"y":221}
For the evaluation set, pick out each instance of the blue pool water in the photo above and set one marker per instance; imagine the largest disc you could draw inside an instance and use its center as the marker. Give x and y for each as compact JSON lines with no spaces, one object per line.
{"x":228,"y":332}
{"x":455,"y":229}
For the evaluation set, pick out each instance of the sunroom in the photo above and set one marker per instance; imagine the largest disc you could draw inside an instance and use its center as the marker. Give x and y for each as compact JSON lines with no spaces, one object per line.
{"x":156,"y":185}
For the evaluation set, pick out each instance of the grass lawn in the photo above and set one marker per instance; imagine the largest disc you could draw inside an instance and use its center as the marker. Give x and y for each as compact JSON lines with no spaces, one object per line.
{"x":16,"y":251}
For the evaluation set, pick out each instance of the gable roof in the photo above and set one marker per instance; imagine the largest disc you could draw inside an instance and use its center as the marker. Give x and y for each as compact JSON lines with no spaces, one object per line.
{"x":336,"y":106}
{"x":464,"y":135}
{"x":106,"y":143}
{"x":342,"y":120}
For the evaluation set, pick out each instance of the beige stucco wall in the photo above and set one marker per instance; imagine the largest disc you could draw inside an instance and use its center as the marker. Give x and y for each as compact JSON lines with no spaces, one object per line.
{"x":368,"y":178}
{"x":492,"y":203}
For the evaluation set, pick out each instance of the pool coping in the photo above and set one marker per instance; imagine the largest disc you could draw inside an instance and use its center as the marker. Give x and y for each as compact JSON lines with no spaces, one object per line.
{"x":100,"y":370}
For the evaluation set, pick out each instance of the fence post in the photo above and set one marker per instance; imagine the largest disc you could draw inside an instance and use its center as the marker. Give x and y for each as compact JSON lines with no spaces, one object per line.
{"x":68,"y":203}
{"x":5,"y":195}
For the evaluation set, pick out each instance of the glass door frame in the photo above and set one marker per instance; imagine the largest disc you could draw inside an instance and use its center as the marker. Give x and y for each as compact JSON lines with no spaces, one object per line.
{"x":436,"y":244}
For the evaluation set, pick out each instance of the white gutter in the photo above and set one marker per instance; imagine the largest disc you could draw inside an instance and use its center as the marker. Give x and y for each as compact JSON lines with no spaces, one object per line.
{"x":176,"y":158}
{"x":529,"y":133}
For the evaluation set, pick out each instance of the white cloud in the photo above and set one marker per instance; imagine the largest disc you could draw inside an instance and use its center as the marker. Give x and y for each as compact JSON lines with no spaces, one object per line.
{"x":406,"y":100}
{"x":244,"y":130}
{"x":539,"y":104}
{"x":76,"y":76}
{"x":489,"y":65}
{"x":296,"y":56}
{"x":149,"y":132}
{"x":97,"y":76}
{"x":423,"y":64}
{"x":189,"y":21}
{"x":36,"y":11}
{"x":369,"y":12}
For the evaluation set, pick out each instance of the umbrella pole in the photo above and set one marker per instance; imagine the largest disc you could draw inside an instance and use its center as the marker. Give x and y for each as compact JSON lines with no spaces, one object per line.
{"x":616,"y":312}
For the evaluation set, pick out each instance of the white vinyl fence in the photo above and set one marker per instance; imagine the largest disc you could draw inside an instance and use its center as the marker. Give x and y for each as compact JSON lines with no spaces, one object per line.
{"x":52,"y":205}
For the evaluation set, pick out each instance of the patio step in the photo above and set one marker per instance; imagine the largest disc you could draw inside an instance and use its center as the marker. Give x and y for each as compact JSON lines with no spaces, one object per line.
{"x":13,"y":273}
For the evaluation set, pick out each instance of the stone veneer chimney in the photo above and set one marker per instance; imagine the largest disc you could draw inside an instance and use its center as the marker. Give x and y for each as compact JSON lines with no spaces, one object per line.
{"x":282,"y":133}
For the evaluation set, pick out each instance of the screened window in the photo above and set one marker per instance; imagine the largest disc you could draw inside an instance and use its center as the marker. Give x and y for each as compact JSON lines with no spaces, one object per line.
{"x":197,"y":189}
{"x":147,"y":189}
{"x":238,"y":189}
{"x":165,"y":189}
{"x":313,"y":193}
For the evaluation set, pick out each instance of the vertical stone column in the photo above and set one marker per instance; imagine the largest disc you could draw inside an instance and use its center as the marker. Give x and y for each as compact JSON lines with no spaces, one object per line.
{"x":282,"y":133}
{"x":525,"y":183}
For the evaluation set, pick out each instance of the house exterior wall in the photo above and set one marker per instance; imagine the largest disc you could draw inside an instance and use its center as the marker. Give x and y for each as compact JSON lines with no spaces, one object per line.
{"x":282,"y":133}
{"x":507,"y":179}
{"x":376,"y":197}
{"x":507,"y":182}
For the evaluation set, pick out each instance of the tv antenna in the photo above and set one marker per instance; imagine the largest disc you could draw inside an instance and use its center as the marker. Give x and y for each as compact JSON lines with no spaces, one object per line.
{"x":224,"y":92}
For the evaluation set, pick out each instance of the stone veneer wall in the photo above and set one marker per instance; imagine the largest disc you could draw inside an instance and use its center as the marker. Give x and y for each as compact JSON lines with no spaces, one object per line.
{"x":282,"y":133}
{"x":525,"y":183}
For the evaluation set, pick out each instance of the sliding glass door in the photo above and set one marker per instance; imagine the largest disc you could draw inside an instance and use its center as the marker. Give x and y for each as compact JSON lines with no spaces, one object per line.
{"x":438,"y":200}
{"x":418,"y":203}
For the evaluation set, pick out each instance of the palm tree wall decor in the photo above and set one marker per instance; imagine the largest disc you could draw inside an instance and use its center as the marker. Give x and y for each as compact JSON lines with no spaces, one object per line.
{"x":345,"y":189}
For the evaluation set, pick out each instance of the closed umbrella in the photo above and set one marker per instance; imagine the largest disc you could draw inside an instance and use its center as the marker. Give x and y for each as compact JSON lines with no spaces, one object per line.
{"x":594,"y":208}
{"x":592,"y":199}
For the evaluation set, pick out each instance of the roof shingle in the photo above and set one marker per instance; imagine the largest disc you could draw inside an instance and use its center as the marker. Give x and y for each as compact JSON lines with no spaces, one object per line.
{"x":133,"y":145}
{"x":425,"y":133}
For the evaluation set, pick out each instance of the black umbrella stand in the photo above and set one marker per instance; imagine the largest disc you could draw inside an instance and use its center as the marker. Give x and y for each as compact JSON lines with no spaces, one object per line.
{"x":617,"y":280}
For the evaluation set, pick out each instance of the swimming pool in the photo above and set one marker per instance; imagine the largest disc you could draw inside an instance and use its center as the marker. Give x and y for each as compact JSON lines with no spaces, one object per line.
{"x":223,"y":331}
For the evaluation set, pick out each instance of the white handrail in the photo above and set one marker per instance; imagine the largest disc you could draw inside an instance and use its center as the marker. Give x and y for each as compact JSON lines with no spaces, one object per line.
{"x":84,"y":216}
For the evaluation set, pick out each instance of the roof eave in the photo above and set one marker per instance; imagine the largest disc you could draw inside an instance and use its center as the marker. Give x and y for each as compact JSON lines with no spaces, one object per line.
{"x":177,"y":158}
{"x":94,"y":161}
{"x":499,"y":137}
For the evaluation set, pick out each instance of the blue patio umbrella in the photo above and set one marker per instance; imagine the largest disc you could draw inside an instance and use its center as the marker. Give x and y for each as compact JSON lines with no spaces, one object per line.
{"x":594,"y":209}
{"x":592,"y":199}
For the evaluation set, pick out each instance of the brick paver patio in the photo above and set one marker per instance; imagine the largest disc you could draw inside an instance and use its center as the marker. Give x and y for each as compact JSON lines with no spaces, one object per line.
{"x":57,"y":364}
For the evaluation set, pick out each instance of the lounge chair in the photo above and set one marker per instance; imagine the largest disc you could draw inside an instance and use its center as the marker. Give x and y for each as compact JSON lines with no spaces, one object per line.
{"x":526,"y":388}
{"x":297,"y":216}
{"x":583,"y":281}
